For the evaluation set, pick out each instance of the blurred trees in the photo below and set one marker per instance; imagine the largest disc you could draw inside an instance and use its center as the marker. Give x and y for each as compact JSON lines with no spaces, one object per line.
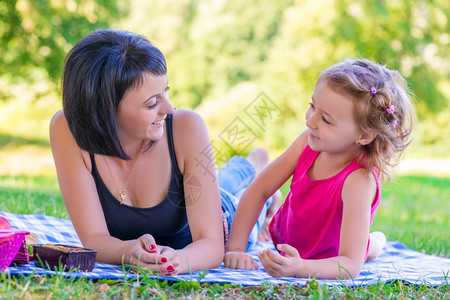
{"x":35,"y":35}
{"x":211,"y":46}
{"x":412,"y":37}
{"x":223,"y":53}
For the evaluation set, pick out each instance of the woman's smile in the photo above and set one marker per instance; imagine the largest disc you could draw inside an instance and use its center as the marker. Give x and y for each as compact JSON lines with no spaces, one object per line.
{"x":158,"y":123}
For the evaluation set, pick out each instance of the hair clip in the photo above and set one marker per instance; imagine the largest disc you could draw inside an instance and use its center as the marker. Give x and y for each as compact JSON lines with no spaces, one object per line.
{"x":394,"y":123}
{"x":373,"y":90}
{"x":390,"y":110}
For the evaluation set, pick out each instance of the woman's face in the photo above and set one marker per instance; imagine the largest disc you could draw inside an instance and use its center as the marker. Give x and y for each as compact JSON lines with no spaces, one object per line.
{"x":143,"y":109}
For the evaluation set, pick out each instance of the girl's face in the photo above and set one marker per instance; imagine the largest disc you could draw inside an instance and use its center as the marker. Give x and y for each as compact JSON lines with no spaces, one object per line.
{"x":331,"y":124}
{"x":143,"y":109}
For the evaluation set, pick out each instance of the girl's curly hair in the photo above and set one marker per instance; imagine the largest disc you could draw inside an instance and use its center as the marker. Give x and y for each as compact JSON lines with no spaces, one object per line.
{"x":373,"y":89}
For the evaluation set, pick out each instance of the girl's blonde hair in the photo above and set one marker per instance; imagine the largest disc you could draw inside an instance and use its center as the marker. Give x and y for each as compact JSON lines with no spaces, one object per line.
{"x":374,"y":90}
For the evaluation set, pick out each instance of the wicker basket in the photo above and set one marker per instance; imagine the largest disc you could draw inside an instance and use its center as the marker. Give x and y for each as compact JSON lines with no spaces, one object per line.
{"x":10,"y":243}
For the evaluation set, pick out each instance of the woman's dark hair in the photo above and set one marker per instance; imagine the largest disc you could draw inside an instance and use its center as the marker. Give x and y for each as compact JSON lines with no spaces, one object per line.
{"x":97,"y":73}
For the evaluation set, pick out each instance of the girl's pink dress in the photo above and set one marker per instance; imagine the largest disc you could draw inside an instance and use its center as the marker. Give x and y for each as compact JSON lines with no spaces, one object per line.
{"x":311,"y":216}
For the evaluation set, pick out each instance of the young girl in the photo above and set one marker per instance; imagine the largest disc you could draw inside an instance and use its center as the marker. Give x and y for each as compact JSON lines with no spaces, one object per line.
{"x":359,"y":122}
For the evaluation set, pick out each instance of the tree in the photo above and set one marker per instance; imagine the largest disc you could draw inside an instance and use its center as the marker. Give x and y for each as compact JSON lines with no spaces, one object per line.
{"x":37,"y":34}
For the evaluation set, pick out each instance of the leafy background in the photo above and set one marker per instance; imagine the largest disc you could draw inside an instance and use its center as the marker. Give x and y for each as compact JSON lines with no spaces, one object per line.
{"x":221,"y":55}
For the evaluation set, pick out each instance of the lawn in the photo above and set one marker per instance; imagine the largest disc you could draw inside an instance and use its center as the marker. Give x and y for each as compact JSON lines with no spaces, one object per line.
{"x":414,"y":210}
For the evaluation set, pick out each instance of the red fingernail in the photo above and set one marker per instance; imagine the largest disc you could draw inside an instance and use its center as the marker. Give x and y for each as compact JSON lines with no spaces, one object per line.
{"x":170,"y":268}
{"x":152,"y":247}
{"x":163,"y":259}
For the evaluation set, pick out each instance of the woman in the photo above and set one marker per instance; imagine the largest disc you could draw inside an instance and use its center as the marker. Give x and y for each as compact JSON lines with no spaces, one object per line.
{"x":124,"y":156}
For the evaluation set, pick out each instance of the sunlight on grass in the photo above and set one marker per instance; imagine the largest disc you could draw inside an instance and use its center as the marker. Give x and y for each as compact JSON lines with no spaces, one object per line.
{"x":414,"y":210}
{"x":28,"y":113}
{"x":31,"y":160}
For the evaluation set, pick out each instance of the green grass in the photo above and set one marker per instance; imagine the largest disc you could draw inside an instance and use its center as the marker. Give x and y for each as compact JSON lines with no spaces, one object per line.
{"x":59,"y":287}
{"x":414,"y":210}
{"x":32,"y":195}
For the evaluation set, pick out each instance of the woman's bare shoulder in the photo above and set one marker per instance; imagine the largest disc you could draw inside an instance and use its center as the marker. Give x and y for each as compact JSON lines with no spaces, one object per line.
{"x":58,"y":120}
{"x":190,"y":135}
{"x":59,"y":129}
{"x":189,"y":126}
{"x":187,"y":117}
{"x":63,"y":142}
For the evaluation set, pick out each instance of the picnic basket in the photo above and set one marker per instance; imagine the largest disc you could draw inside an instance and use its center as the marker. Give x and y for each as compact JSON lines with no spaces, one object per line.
{"x":10,"y":243}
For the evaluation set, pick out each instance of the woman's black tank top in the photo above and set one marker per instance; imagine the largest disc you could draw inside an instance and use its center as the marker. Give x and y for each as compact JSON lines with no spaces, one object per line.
{"x":166,"y":222}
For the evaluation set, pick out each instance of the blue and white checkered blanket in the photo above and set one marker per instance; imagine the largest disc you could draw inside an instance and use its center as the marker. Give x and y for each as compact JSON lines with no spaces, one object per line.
{"x":396,"y":262}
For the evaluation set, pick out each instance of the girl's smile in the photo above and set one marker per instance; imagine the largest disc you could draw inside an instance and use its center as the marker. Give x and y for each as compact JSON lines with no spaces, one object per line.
{"x":313,"y":137}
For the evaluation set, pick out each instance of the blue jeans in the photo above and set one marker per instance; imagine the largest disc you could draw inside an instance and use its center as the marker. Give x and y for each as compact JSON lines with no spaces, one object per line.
{"x":234,"y":176}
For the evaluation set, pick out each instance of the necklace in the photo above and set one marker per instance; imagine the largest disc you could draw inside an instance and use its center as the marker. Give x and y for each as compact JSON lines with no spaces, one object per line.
{"x":123,"y":194}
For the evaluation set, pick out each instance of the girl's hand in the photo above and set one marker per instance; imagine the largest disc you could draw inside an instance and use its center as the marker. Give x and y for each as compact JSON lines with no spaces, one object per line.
{"x":239,"y":260}
{"x":278,"y":265}
{"x":144,"y":253}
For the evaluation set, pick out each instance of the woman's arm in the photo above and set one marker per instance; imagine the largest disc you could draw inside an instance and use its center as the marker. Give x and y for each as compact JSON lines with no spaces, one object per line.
{"x":250,"y":205}
{"x":358,"y":193}
{"x":80,"y":196}
{"x":196,"y":162}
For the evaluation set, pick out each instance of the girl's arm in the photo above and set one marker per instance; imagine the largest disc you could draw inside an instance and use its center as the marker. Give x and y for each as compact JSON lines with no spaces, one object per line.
{"x":358,"y":193}
{"x":201,"y":189}
{"x":250,"y":205}
{"x":81,"y":199}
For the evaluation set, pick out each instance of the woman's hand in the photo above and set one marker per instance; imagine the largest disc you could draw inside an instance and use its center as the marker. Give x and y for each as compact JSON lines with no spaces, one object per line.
{"x":281,"y":266}
{"x":144,"y":253}
{"x":239,"y":260}
{"x":173,"y":260}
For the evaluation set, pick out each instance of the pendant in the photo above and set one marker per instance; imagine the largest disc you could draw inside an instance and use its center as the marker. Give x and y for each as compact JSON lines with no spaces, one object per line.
{"x":122,"y":196}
